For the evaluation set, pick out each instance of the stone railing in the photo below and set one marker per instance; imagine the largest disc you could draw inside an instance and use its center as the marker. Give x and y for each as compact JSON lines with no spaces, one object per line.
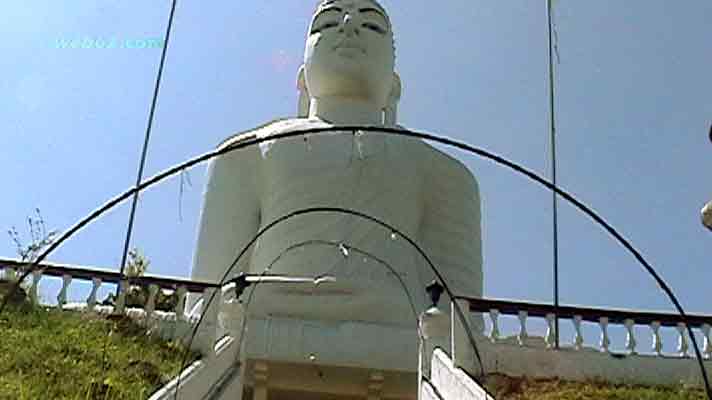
{"x":603,"y":317}
{"x":448,"y":382}
{"x":145,"y":313}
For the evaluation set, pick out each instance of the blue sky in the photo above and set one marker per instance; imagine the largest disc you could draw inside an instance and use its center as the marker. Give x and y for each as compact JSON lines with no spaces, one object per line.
{"x":633,"y":109}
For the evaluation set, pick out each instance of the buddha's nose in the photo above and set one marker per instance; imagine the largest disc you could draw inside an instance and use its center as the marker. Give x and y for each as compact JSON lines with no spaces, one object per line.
{"x":348,"y":25}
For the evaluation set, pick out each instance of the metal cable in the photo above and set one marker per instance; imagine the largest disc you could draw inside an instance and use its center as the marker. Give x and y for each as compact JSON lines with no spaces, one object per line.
{"x":554,"y":197}
{"x":264,"y":272}
{"x":361,"y":215}
{"x":147,"y":137}
{"x":391,"y":228}
{"x":389,"y":130}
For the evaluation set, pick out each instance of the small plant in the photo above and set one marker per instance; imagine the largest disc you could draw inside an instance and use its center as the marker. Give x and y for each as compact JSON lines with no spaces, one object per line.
{"x":39,"y":238}
{"x":137,"y":264}
{"x":137,"y":296}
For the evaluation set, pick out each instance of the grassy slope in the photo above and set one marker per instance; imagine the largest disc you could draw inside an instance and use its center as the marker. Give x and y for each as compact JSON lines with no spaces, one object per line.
{"x":507,"y":388}
{"x":53,"y":354}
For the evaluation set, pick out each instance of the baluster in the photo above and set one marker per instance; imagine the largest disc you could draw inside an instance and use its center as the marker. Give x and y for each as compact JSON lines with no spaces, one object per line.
{"x":91,"y":300}
{"x":605,"y":340}
{"x":233,"y":317}
{"x":207,"y":330}
{"x":494,"y":316}
{"x":10,"y":274}
{"x":180,"y":304}
{"x":261,"y":377}
{"x":550,"y":338}
{"x":523,"y":335}
{"x":62,"y":296}
{"x":578,"y":337}
{"x":682,"y":345}
{"x":657,"y":339}
{"x":36,"y":276}
{"x":120,"y":305}
{"x":630,"y":342}
{"x":150,"y":306}
{"x":375,"y":386}
{"x":707,"y":341}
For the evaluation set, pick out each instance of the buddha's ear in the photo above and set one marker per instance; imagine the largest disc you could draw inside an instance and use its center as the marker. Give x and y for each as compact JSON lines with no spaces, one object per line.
{"x":390,"y":113}
{"x":304,"y":100}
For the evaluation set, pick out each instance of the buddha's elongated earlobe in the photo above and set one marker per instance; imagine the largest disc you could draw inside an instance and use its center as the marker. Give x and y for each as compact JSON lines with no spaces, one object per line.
{"x":304,"y":100}
{"x":390,"y":112}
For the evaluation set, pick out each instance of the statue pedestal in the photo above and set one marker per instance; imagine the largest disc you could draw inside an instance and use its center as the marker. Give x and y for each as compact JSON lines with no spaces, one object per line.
{"x":342,"y":344}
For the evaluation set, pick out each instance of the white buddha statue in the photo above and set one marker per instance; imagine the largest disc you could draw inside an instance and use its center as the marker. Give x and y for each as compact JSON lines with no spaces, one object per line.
{"x":347,"y":78}
{"x":706,"y":215}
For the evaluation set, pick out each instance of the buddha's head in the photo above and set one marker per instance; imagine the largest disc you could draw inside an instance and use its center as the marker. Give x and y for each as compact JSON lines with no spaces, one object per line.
{"x":350,"y":53}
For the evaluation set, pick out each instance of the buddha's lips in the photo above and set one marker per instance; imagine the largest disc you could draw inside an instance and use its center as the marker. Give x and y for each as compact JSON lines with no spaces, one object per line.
{"x":348,"y":44}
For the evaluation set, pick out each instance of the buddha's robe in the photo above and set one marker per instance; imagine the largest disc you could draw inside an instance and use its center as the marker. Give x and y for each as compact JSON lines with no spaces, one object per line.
{"x":429,"y":196}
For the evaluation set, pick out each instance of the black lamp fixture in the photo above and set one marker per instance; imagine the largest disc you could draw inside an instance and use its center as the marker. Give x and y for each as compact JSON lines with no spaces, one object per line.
{"x":435,"y":290}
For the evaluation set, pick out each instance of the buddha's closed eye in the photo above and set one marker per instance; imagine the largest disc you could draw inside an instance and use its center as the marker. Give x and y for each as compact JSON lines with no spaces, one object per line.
{"x":373,"y":27}
{"x":323,"y":26}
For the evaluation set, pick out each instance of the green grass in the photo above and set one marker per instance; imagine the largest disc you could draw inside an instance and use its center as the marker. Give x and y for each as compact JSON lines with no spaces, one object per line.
{"x":51,"y":354}
{"x":508,"y":388}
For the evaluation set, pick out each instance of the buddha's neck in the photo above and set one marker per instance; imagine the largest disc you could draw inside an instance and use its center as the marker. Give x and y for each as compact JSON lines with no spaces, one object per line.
{"x":346,"y":111}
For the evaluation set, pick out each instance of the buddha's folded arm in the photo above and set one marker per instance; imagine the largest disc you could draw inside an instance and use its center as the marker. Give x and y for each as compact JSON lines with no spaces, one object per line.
{"x":451,"y":231}
{"x":230,"y":215}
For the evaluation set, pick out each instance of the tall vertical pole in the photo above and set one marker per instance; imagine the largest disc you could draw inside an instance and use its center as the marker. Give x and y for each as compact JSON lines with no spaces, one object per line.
{"x":144,"y":151}
{"x":552,"y":124}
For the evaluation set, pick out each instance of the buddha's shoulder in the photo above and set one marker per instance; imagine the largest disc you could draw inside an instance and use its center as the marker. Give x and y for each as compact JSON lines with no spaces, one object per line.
{"x":272,"y":128}
{"x":440,"y":162}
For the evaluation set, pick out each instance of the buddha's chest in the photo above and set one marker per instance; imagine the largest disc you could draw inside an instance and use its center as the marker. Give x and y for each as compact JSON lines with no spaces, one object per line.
{"x":337,"y":150}
{"x":371,"y":172}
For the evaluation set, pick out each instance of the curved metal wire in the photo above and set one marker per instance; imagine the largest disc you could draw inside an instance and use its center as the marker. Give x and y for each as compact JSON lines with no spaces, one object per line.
{"x":265,"y":271}
{"x":391,"y":228}
{"x":388,"y":130}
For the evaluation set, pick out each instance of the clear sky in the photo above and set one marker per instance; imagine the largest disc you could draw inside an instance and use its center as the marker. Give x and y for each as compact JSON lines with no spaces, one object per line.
{"x":633,"y":108}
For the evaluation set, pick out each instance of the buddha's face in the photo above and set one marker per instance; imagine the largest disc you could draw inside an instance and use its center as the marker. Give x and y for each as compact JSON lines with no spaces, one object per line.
{"x":349,"y":51}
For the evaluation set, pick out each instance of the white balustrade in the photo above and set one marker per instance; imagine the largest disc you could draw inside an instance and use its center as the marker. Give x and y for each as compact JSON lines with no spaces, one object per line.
{"x":180,"y":303}
{"x":522,"y":337}
{"x":62,"y":296}
{"x":630,"y":342}
{"x":205,"y":341}
{"x":706,"y":332}
{"x":232,"y":315}
{"x":120,"y":304}
{"x":91,"y":299}
{"x":578,"y":337}
{"x":34,"y":295}
{"x":494,"y":317}
{"x":605,"y":342}
{"x":550,"y":338}
{"x":150,"y":306}
{"x":657,"y":339}
{"x":207,"y":330}
{"x":682,"y":344}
